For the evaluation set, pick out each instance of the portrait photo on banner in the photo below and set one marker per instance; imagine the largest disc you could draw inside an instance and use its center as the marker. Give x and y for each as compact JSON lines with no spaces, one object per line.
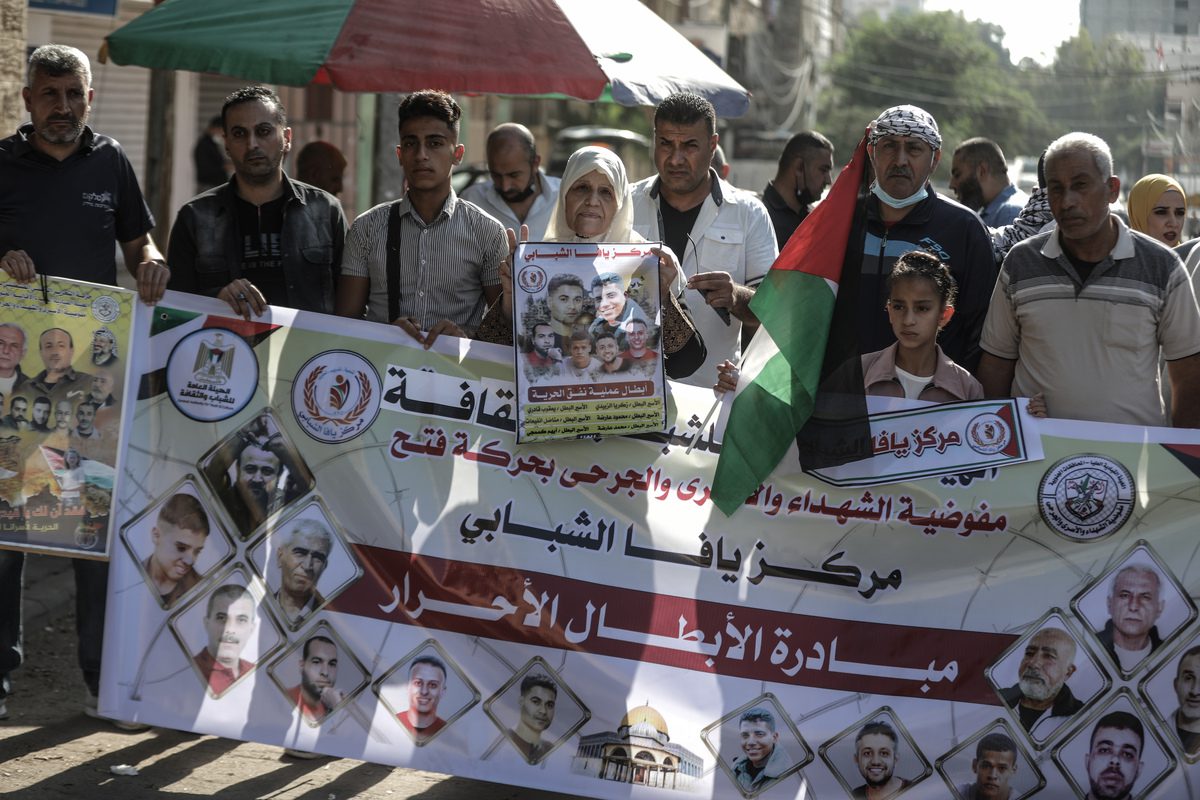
{"x":992,"y":763}
{"x":425,"y":692}
{"x":876,"y":752}
{"x":1134,"y":608}
{"x":1115,"y":751}
{"x":758,"y":746}
{"x":305,"y":562}
{"x":318,"y":674}
{"x":1171,"y":691}
{"x":587,"y":340}
{"x":61,"y":383}
{"x":176,"y":541}
{"x":536,"y":711}
{"x":1047,"y":677}
{"x":256,"y":471}
{"x":226,"y":630}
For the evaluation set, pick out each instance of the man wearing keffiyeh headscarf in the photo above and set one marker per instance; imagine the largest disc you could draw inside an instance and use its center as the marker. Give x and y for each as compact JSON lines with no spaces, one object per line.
{"x":904,"y":213}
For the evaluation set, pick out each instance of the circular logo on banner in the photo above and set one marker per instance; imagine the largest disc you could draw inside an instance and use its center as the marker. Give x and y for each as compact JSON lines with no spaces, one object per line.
{"x":211,"y":374}
{"x":335,"y":396}
{"x":532,"y":278}
{"x":105,"y":308}
{"x":988,"y":434}
{"x":1086,"y":497}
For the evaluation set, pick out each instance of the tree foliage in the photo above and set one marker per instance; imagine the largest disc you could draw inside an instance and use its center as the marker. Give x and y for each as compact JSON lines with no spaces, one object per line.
{"x":960,"y":72}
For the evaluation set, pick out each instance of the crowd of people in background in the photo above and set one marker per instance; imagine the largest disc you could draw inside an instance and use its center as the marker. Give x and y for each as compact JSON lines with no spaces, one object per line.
{"x":1051,"y":296}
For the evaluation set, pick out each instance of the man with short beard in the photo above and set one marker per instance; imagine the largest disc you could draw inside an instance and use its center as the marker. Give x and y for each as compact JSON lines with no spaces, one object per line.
{"x":520,"y":192}
{"x":1114,"y":759}
{"x":805,"y":169}
{"x":542,"y":359}
{"x":257,"y":480}
{"x":104,"y":348}
{"x":979,"y":180}
{"x":316,"y":695}
{"x":41,"y":415}
{"x":17,"y":417}
{"x":262,"y":238}
{"x":1041,"y":692}
{"x":876,"y":758}
{"x":1187,"y":691}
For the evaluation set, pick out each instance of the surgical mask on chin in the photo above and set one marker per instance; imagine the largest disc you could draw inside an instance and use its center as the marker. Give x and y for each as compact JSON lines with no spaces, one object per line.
{"x":911,"y":200}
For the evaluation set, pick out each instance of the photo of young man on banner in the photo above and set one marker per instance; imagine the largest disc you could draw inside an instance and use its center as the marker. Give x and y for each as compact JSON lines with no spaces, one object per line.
{"x":176,"y":542}
{"x":758,"y":746}
{"x":426,"y":691}
{"x":61,"y":382}
{"x":991,"y":765}
{"x":588,"y":341}
{"x":536,"y":711}
{"x":876,"y":757}
{"x":319,"y":675}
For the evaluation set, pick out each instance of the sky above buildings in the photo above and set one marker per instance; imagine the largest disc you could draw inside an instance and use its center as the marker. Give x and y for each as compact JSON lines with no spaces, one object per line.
{"x":1032,"y":28}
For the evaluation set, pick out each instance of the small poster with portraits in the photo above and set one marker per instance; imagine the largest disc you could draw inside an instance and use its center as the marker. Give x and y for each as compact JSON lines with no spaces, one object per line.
{"x":587,"y":337}
{"x":63,"y":349}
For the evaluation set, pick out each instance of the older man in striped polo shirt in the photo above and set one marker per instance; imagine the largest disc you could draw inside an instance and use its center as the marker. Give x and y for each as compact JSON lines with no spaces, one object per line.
{"x":1081,"y":313}
{"x":429,"y":262}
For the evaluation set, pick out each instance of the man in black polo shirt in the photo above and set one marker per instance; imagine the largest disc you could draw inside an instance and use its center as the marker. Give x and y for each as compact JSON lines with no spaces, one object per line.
{"x":261,"y":238}
{"x":805,"y":169}
{"x":66,"y":193}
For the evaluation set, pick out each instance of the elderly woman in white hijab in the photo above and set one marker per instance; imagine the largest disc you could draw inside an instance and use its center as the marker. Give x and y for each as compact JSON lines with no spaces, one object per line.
{"x":594,"y":206}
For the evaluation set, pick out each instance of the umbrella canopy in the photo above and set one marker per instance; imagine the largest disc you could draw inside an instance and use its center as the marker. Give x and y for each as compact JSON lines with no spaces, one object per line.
{"x":576,"y":48}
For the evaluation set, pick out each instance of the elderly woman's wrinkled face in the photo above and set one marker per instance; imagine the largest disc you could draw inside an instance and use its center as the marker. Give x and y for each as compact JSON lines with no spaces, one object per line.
{"x":591,"y":204}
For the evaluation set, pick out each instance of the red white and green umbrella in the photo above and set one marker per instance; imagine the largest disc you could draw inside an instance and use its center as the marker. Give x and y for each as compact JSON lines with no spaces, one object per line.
{"x":586,"y":49}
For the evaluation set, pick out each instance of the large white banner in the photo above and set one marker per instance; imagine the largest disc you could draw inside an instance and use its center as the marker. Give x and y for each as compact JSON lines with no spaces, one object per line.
{"x":385,"y":574}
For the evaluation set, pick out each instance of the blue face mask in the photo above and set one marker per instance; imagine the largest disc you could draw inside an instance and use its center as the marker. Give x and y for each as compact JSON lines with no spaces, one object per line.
{"x":911,"y":200}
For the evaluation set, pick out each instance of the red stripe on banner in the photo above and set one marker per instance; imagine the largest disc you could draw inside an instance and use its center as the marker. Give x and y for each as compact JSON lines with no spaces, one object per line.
{"x":247,"y":329}
{"x":760,"y":644}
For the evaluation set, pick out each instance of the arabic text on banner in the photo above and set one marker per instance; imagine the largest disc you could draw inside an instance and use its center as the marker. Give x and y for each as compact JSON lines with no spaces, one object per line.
{"x":389,"y":576}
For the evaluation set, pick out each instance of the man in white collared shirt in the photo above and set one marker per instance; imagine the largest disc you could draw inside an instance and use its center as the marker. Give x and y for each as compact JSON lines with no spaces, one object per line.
{"x":520,"y":192}
{"x":723,"y":237}
{"x":1081,"y":313}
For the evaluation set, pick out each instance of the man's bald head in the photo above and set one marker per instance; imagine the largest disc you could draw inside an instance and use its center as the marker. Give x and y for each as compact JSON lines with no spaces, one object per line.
{"x":512,"y":134}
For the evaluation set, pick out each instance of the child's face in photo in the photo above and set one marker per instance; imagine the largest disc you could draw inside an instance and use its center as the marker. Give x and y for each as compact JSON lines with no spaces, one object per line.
{"x":916,"y":312}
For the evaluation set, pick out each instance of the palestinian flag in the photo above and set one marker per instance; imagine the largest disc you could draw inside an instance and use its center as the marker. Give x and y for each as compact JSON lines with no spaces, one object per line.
{"x":803,"y":360}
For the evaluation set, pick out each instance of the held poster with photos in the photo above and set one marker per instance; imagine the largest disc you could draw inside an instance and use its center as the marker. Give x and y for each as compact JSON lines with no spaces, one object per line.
{"x":588,"y":340}
{"x":379,"y":571}
{"x":63,"y":351}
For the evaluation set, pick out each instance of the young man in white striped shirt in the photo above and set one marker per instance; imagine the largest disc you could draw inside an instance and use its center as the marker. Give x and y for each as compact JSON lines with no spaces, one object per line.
{"x":429,"y":262}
